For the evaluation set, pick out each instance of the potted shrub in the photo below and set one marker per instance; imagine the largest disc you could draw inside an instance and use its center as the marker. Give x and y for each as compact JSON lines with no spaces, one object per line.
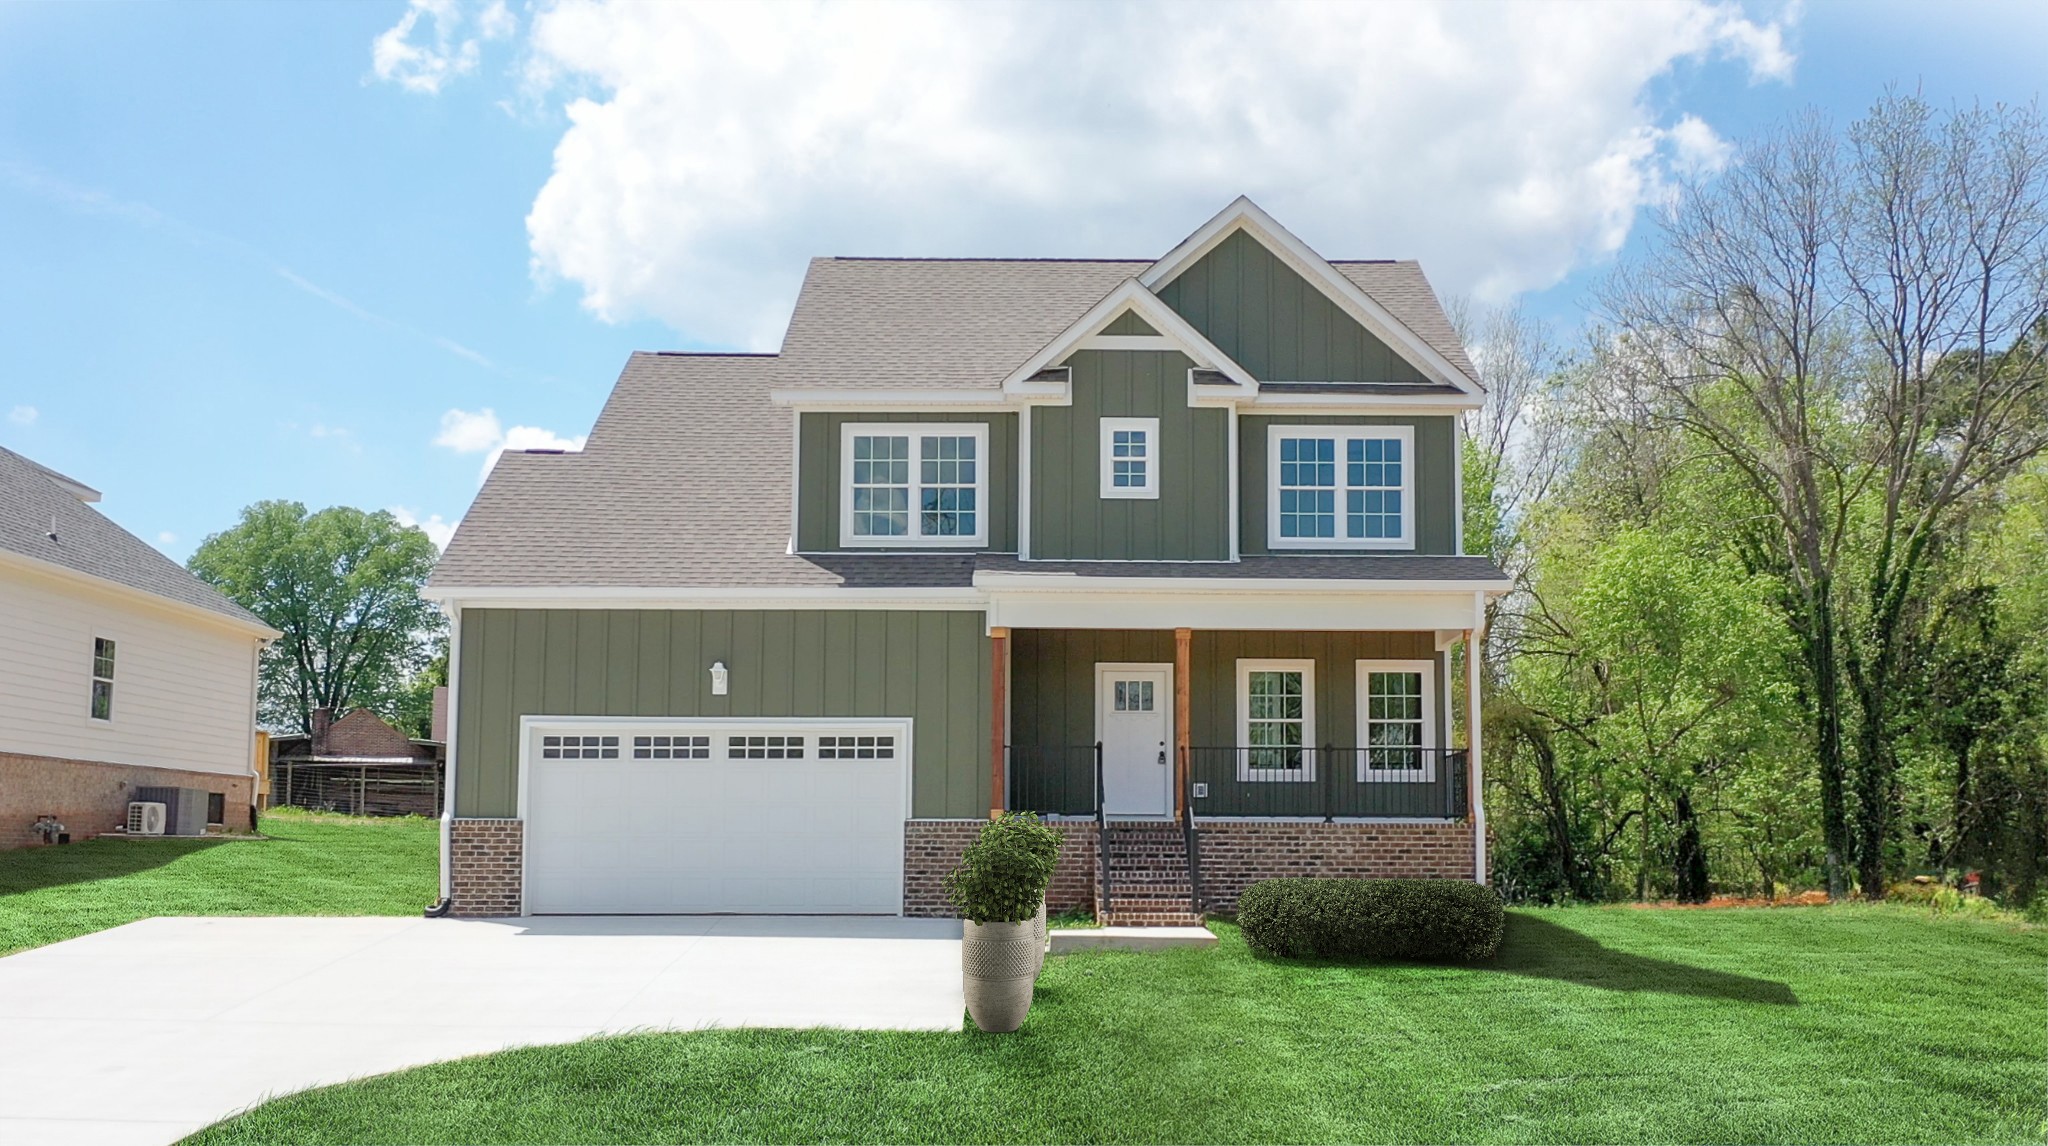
{"x":999,"y":887}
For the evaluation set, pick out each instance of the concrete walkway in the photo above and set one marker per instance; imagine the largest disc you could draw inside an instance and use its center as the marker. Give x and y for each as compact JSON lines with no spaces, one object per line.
{"x":147,"y":1032}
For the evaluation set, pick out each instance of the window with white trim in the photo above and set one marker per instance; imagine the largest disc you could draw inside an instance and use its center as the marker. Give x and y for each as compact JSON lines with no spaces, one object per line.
{"x":1276,"y":720}
{"x":1340,"y":487}
{"x":102,"y":679}
{"x":1130,"y":457}
{"x":914,"y":484}
{"x":1397,"y":720}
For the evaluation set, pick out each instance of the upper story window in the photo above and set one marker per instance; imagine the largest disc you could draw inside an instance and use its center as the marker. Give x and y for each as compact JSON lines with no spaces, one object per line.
{"x":914,"y":485}
{"x":1130,"y":457}
{"x":102,"y":679}
{"x":1341,"y":487}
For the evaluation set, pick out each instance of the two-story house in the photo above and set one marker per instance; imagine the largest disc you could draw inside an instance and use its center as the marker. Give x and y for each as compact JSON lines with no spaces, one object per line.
{"x":1169,"y":549}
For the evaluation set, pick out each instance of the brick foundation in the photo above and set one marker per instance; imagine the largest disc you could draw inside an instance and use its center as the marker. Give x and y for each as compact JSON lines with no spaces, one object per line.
{"x":486,"y":867}
{"x":91,"y":797}
{"x":1234,"y":855}
{"x":931,"y":848}
{"x":1238,"y":853}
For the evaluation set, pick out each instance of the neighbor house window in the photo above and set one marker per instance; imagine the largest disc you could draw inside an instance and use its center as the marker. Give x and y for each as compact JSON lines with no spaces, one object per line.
{"x":1341,"y":487}
{"x":1130,"y":457}
{"x":102,"y":679}
{"x":915,"y":485}
{"x":1397,"y":720}
{"x":1276,"y":720}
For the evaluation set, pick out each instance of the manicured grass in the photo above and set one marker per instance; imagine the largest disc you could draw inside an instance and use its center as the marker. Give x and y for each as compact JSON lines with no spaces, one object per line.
{"x":1851,"y":1024}
{"x":310,"y":865}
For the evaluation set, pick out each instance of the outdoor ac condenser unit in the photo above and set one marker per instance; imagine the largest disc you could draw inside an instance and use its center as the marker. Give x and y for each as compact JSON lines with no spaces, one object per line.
{"x":145,"y":819}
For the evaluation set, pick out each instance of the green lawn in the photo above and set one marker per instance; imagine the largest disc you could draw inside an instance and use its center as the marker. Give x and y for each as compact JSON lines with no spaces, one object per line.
{"x":1848,"y":1024}
{"x":310,"y":865}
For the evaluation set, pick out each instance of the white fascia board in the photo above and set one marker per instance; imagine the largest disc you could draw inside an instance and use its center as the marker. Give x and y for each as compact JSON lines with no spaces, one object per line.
{"x":1057,"y":582}
{"x":932,"y":398}
{"x":1243,"y":214}
{"x":1127,"y":295}
{"x":1354,"y":403}
{"x":709,"y":597}
{"x":186,"y":610}
{"x":1351,"y":611}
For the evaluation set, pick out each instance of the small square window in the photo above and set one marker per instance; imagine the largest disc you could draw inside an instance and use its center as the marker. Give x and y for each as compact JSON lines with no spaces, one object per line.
{"x":1130,"y":457}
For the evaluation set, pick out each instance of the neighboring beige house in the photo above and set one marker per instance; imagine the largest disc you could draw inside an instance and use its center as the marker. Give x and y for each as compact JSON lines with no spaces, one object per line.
{"x":118,"y":669}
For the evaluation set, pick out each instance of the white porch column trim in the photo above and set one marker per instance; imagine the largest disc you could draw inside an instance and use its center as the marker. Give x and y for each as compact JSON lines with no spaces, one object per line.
{"x":1475,"y":640}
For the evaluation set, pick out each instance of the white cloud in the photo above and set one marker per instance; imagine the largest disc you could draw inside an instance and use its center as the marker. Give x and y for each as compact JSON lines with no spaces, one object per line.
{"x":722,"y":145}
{"x":24,"y":415}
{"x":479,"y":432}
{"x":166,"y":537}
{"x":424,"y":60}
{"x":437,"y":528}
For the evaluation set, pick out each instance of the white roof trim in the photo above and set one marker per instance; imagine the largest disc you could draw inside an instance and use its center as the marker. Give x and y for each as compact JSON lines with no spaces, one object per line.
{"x":1128,"y":295}
{"x":713,"y":597}
{"x":1060,"y":582}
{"x":1245,"y":215}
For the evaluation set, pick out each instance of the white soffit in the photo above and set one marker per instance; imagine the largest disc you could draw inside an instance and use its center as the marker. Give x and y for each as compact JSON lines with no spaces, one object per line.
{"x":1174,"y":333}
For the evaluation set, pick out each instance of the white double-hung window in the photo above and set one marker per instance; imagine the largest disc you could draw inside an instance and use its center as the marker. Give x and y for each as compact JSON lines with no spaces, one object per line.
{"x":1340,"y":487}
{"x":1130,"y":457}
{"x":1397,"y":720}
{"x":914,"y":484}
{"x":1276,"y":719}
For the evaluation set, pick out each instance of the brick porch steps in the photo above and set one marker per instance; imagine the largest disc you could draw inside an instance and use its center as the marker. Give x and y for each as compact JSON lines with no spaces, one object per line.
{"x":1148,"y":877}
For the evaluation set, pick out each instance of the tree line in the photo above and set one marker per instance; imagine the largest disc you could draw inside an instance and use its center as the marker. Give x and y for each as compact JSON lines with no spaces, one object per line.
{"x":1778,"y":527}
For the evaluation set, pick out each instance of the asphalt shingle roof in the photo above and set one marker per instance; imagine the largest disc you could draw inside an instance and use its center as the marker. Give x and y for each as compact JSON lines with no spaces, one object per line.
{"x":685,"y":481}
{"x":31,"y":500}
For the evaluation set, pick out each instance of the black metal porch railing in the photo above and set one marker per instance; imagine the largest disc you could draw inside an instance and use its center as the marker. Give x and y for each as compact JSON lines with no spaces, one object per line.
{"x":1063,"y":780}
{"x":1328,"y":782}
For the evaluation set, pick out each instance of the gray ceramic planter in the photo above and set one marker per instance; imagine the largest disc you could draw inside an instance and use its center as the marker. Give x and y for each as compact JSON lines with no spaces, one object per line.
{"x":998,"y":962}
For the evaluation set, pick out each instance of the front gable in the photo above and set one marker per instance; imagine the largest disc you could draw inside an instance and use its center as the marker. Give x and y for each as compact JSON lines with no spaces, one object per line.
{"x":1275,"y":323}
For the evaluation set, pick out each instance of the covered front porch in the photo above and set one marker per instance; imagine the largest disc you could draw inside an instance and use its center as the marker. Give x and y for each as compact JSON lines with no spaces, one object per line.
{"x":1186,"y":723}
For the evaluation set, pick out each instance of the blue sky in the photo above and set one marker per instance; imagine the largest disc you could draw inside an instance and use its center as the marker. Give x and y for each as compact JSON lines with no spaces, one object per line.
{"x":280,"y":251}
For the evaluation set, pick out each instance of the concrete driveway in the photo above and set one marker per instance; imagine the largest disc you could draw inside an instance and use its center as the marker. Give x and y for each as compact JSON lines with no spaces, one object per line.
{"x":150,"y":1031}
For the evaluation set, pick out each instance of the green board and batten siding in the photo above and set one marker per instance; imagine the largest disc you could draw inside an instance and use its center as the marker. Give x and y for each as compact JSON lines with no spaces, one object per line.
{"x":1436,"y":476}
{"x":820,"y":472}
{"x":1071,"y":520}
{"x":929,"y":666}
{"x":1052,"y":692}
{"x":1276,"y":324}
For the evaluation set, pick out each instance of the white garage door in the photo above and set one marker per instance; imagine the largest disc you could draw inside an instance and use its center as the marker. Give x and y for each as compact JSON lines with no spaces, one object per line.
{"x":799,"y":817}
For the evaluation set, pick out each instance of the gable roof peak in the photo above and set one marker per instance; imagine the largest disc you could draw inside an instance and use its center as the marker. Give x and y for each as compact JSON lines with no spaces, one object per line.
{"x":1244,"y":215}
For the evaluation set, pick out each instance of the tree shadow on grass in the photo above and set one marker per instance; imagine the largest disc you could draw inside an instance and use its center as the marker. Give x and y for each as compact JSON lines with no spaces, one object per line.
{"x":1540,"y":949}
{"x":31,"y":869}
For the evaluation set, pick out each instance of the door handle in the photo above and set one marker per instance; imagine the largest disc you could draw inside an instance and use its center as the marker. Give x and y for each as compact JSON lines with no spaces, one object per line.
{"x":1162,"y":756}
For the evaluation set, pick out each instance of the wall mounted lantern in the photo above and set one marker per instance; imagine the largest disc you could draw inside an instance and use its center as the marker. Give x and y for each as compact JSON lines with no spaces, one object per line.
{"x":719,"y":677}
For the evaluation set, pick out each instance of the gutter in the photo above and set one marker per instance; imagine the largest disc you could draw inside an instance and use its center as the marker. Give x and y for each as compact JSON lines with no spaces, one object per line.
{"x":447,"y":900}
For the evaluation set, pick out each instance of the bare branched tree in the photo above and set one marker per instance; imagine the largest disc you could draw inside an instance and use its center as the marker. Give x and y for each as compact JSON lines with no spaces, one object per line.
{"x":1841,"y":317}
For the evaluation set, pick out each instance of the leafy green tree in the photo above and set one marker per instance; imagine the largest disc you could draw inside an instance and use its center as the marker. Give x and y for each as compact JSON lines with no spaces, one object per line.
{"x":343,"y":586}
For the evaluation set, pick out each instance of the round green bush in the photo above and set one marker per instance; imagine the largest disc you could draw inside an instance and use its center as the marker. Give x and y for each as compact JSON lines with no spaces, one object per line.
{"x":1002,"y":875}
{"x":1372,"y":918}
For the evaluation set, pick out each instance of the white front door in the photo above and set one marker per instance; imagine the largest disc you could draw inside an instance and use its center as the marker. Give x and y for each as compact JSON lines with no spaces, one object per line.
{"x":1133,"y":707}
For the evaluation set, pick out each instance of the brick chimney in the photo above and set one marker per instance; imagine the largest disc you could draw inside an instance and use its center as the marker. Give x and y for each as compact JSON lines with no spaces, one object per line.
{"x":323,"y":719}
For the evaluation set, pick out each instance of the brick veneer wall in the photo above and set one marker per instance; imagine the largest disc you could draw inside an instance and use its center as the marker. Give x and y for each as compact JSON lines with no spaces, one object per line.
{"x":486,"y":866}
{"x":931,"y":848}
{"x":91,"y":797}
{"x":1239,"y":853}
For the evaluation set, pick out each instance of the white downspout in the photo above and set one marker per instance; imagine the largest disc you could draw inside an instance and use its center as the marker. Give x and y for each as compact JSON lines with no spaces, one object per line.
{"x":454,"y":612}
{"x":1476,"y":767}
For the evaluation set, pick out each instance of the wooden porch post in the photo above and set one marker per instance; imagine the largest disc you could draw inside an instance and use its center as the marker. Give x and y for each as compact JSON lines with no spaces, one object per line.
{"x":1182,"y":638}
{"x":999,"y":702}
